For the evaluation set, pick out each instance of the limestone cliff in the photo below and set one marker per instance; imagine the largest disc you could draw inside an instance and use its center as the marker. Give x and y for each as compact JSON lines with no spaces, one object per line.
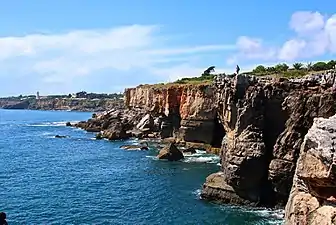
{"x":187,"y":111}
{"x":313,"y":195}
{"x":260,"y":124}
{"x":265,"y":122}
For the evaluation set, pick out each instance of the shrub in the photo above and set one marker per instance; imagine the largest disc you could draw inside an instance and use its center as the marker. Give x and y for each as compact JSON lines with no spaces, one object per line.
{"x":320,"y":66}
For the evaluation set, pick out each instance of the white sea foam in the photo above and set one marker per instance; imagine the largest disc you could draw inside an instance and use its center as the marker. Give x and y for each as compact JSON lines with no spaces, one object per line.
{"x":277,"y":214}
{"x":202,"y":159}
{"x":50,"y":124}
{"x":151,"y":157}
{"x":197,"y":193}
{"x":200,"y":151}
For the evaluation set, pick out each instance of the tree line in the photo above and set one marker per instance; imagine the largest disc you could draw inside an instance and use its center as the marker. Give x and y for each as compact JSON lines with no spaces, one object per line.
{"x":283,"y":67}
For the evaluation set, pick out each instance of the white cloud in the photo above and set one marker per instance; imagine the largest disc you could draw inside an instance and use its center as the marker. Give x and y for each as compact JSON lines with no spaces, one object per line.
{"x":315,"y":35}
{"x":65,"y":57}
{"x":291,"y":49}
{"x":330,"y":28}
{"x":251,"y":48}
{"x":304,"y":21}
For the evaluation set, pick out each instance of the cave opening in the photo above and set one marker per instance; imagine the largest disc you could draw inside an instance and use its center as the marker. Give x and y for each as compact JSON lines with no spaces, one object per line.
{"x":218,"y":132}
{"x":275,"y":123}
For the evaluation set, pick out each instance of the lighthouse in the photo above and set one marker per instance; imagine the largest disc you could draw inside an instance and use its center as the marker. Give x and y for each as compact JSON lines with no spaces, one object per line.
{"x":38,"y":95}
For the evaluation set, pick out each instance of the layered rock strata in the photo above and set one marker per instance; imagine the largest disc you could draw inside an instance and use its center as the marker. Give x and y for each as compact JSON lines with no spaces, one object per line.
{"x":265,"y":122}
{"x":186,"y":112}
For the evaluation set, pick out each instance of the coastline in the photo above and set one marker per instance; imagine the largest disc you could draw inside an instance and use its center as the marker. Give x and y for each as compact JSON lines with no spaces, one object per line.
{"x":263,"y":119}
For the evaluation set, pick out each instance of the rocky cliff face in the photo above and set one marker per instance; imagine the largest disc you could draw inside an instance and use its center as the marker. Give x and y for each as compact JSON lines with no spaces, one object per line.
{"x":187,"y":111}
{"x":260,"y":125}
{"x":62,"y":104}
{"x":312,"y":198}
{"x":265,"y":122}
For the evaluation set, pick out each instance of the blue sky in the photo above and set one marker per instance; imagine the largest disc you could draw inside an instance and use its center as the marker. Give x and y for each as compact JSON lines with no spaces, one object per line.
{"x":105,"y":46}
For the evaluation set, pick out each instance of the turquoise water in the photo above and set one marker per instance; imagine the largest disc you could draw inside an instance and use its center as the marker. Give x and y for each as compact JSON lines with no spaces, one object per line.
{"x":79,"y":180}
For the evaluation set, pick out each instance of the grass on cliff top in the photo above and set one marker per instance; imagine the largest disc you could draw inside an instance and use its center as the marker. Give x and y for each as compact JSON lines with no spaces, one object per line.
{"x":202,"y":80}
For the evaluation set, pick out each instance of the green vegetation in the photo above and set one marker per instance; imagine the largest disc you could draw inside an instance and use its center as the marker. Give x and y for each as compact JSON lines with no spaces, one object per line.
{"x":297,"y":70}
{"x":279,"y":70}
{"x":205,"y":78}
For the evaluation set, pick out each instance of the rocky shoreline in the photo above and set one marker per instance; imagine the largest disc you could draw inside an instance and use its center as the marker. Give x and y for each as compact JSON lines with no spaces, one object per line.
{"x":261,"y":127}
{"x":62,"y":104}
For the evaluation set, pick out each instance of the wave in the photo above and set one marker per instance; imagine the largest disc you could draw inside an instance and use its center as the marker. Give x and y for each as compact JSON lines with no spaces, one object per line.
{"x":198,"y":157}
{"x":273,"y":216}
{"x":277,"y":214}
{"x":152,"y":157}
{"x":51,"y":124}
{"x":197,"y":193}
{"x":202,"y":159}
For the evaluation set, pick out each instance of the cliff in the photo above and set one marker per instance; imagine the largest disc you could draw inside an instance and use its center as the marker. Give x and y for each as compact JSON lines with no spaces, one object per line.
{"x":188,"y":112}
{"x":312,"y":198}
{"x":259,"y":123}
{"x":265,"y":122}
{"x":73,"y":104}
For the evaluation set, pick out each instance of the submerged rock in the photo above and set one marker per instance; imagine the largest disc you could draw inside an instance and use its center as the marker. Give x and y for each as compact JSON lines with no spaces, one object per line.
{"x":189,"y":150}
{"x":134,"y":147}
{"x":313,"y":195}
{"x":99,"y":136}
{"x":171,"y":153}
{"x":60,"y":136}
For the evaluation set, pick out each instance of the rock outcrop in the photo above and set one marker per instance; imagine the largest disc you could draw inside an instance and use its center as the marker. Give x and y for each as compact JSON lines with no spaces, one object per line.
{"x":313,"y":196}
{"x":185,"y":112}
{"x":259,"y":123}
{"x":265,"y":122}
{"x":171,"y":153}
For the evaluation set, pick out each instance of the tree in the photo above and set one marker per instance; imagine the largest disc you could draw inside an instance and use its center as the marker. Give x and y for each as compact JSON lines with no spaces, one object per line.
{"x":271,"y":69}
{"x":309,"y":66}
{"x":259,"y":69}
{"x":209,"y":70}
{"x":331,"y":64}
{"x":320,"y":66}
{"x":298,"y":66}
{"x":281,"y":67}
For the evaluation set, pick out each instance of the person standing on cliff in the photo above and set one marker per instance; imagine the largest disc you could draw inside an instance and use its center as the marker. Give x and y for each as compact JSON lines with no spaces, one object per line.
{"x":237,"y":70}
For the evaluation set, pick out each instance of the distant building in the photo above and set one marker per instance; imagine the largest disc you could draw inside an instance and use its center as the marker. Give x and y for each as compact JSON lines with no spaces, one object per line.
{"x":38,"y":95}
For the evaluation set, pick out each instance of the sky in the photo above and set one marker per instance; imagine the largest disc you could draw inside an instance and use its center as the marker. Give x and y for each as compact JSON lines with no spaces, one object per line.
{"x":66,"y":46}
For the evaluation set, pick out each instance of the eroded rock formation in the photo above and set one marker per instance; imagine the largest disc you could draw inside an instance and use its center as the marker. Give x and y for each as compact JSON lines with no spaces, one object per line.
{"x":265,"y":122}
{"x":313,"y":196}
{"x":186,"y":112}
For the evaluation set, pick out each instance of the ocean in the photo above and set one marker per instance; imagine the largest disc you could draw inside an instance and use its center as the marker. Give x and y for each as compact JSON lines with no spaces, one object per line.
{"x":80,"y":180}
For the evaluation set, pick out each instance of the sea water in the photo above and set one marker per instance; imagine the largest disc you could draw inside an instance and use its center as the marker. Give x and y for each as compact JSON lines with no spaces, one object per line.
{"x":80,"y":180}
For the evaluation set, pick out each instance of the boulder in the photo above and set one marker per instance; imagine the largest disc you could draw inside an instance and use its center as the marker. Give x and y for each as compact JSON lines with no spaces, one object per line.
{"x":146,"y":122}
{"x":68,"y":124}
{"x":171,"y":153}
{"x":190,"y":150}
{"x":134,"y":147}
{"x":115,"y":132}
{"x":216,"y":189}
{"x":312,"y":198}
{"x":99,"y":136}
{"x":60,"y":136}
